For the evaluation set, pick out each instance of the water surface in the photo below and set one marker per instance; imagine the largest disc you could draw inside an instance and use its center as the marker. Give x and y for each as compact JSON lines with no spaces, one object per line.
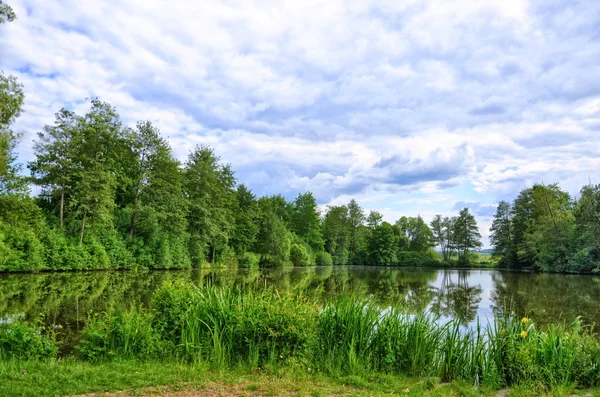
{"x":66,"y":300}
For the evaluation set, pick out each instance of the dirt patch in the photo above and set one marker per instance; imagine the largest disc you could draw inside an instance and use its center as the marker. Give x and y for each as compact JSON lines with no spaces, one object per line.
{"x":210,"y":390}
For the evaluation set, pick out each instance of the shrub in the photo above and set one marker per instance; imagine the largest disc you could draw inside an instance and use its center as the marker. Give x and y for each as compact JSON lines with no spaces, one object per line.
{"x":26,"y":340}
{"x":412,"y":258}
{"x":248,"y":259}
{"x":323,"y":259}
{"x":299,"y":256}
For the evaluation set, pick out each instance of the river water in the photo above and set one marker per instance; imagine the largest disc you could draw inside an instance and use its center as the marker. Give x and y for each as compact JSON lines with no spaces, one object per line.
{"x":66,"y":300}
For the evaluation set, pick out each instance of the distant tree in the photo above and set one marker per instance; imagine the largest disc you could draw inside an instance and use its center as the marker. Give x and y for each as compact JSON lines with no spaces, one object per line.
{"x":246,"y":220}
{"x":374,"y":219}
{"x":209,"y":187}
{"x":306,"y":222}
{"x":466,"y":235}
{"x":143,"y":144}
{"x":273,"y":242}
{"x":416,"y":231}
{"x":382,"y":245}
{"x":356,"y":218}
{"x":337,"y":233}
{"x":55,"y":167}
{"x":442,"y":230}
{"x":501,"y":236}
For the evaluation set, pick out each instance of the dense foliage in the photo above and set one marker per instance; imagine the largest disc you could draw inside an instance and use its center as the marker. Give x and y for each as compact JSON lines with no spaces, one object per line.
{"x":546,"y":229}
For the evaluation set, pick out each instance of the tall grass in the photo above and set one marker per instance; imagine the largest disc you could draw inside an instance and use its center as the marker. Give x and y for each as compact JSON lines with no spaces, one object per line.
{"x":253,"y":328}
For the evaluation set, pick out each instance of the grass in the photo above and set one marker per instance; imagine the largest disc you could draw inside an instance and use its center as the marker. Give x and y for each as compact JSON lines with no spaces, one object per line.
{"x":72,"y":377}
{"x":201,"y":332}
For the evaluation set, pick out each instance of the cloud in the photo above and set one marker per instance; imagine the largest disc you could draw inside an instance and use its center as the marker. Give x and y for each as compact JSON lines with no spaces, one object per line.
{"x":480,"y":209}
{"x":376,"y":100}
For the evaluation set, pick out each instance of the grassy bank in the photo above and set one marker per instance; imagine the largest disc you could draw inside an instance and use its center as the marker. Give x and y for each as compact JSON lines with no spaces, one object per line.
{"x":261,"y":331}
{"x":161,"y":378}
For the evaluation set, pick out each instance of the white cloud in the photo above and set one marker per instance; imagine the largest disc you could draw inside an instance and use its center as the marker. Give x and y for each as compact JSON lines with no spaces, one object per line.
{"x":472,"y":100}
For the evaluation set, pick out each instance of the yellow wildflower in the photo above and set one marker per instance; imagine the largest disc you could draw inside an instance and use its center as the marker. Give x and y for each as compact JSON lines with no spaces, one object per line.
{"x":523,"y":334}
{"x":524,"y":320}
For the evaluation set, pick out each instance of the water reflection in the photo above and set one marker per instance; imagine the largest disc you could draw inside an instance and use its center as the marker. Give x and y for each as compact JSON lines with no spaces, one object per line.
{"x":68,"y":298}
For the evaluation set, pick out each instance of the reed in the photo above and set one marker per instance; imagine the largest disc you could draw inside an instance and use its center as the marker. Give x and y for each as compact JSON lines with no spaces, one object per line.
{"x":250,"y":327}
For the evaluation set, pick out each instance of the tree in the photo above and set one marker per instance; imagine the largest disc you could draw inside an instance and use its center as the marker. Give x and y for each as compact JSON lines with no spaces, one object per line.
{"x":209,"y":187}
{"x":6,"y":13}
{"x":56,"y":151}
{"x":382,"y":245}
{"x":273,"y":242}
{"x":356,"y":218}
{"x":336,"y":233}
{"x":246,"y":220}
{"x":587,"y":215}
{"x":420,"y":237}
{"x":442,"y":230}
{"x":374,"y":219}
{"x":501,"y":236}
{"x":306,"y":222}
{"x":94,"y":191}
{"x":144,"y":143}
{"x":466,"y":235}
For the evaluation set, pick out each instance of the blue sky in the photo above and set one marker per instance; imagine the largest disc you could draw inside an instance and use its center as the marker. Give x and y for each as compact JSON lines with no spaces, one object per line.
{"x":410,"y":107}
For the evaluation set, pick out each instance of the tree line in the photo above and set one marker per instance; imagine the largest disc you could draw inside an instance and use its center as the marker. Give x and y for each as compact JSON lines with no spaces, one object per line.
{"x":545,"y":229}
{"x":111,"y":196}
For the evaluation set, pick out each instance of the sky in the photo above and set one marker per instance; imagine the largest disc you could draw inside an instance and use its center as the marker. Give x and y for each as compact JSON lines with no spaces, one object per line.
{"x":412,"y":107}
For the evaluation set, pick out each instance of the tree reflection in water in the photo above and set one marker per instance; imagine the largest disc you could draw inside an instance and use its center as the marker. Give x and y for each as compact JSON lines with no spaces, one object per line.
{"x":457,"y":299}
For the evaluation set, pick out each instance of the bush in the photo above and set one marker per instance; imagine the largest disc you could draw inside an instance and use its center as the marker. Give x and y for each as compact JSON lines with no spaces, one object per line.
{"x":20,"y":248}
{"x":299,"y":256}
{"x":323,"y":259}
{"x":26,"y":340}
{"x":248,"y":259}
{"x":412,"y":258}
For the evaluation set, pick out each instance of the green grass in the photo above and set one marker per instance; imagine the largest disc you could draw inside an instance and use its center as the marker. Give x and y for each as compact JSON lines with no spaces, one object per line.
{"x":72,"y":377}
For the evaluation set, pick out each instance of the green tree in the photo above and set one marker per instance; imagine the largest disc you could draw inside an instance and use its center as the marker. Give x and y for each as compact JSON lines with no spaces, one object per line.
{"x":501,"y":236}
{"x":416,"y":231}
{"x":210,"y":189}
{"x":356,"y":218}
{"x":56,"y":150}
{"x":336,"y":233}
{"x":374,"y":219}
{"x":273,"y":242}
{"x":94,"y":192}
{"x":466,"y":235}
{"x":6,"y":13}
{"x":382,"y":245}
{"x":306,"y":222}
{"x":442,"y":230}
{"x":246,"y":220}
{"x":143,"y":144}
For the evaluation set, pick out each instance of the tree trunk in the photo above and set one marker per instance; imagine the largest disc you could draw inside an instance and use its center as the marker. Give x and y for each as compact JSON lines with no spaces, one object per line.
{"x":62,"y":205}
{"x":213,"y":254}
{"x":82,"y":228}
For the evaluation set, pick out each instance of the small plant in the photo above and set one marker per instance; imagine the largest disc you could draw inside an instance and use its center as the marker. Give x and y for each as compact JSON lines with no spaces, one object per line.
{"x":26,"y":340}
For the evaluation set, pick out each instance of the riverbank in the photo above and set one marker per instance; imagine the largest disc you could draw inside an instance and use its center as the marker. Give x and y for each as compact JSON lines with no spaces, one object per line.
{"x":176,"y":379}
